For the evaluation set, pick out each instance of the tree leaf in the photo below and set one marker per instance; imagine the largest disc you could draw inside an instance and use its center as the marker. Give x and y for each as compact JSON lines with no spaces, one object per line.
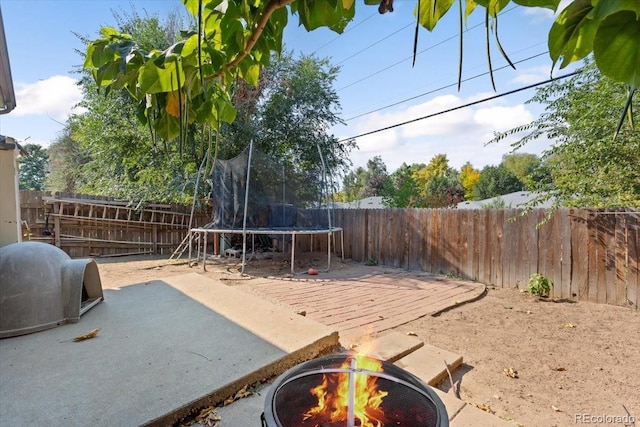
{"x":322,"y":13}
{"x":155,"y":79}
{"x":602,"y":9}
{"x":192,"y":6}
{"x":226,"y":110}
{"x":617,"y":48}
{"x":493,"y":6}
{"x":431,"y":11}
{"x":173,"y":104}
{"x":167,"y":126}
{"x":92,"y":334}
{"x":347,"y":4}
{"x":548,"y":4}
{"x":571,"y":35}
{"x":469,"y":8}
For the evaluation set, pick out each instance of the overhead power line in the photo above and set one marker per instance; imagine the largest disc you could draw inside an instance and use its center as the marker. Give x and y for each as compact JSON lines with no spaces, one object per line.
{"x":409,"y":58}
{"x":442,"y":88}
{"x":345,"y":32}
{"x":411,"y":24}
{"x":491,"y":98}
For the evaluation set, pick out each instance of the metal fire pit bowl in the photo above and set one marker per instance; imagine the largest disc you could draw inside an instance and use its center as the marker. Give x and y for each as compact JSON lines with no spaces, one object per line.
{"x":409,"y":402}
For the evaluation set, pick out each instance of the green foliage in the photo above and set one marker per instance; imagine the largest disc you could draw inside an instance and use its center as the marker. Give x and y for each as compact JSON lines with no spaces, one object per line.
{"x":297,"y":106}
{"x":524,"y":166}
{"x":539,"y":285}
{"x":438,"y":166}
{"x":368,"y":182}
{"x":286,"y":113}
{"x":497,"y":203}
{"x":443,"y":191}
{"x":495,"y":181}
{"x":438,"y":184}
{"x":585,"y":167}
{"x":33,"y":168}
{"x":371,"y":261}
{"x":401,"y":190}
{"x":469,"y":177}
{"x":65,"y":163}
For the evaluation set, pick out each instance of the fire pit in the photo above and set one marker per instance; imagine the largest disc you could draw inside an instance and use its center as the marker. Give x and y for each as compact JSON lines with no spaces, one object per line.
{"x":351,"y":390}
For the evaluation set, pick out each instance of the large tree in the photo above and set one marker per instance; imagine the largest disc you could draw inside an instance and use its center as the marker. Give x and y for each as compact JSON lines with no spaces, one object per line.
{"x":524,"y":166}
{"x":287,"y":114}
{"x":586,"y":166}
{"x":495,"y":181}
{"x":65,"y":163}
{"x":298,"y":107}
{"x":33,"y":168}
{"x":361,"y":183}
{"x":120,"y":157}
{"x":192,"y":80}
{"x":402,"y":190}
{"x":469,"y":177}
{"x":444,"y":191}
{"x":434,"y":181}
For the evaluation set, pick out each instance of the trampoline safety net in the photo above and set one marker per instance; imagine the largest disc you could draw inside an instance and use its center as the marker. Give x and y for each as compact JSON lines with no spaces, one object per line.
{"x":279,"y":195}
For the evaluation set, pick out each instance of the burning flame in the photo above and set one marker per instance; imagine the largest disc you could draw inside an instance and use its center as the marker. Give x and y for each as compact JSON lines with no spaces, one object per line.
{"x":337,"y":404}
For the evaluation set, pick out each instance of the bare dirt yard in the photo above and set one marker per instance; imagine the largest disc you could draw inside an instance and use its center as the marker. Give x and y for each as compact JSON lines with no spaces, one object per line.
{"x":570,"y":363}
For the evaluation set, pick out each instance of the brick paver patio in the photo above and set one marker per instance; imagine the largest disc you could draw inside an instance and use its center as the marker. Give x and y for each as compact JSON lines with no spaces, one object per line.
{"x":371,"y":303}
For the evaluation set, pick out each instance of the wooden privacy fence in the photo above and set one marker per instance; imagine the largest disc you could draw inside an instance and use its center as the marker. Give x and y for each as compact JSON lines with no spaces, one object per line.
{"x":589,"y":255}
{"x":86,"y":226}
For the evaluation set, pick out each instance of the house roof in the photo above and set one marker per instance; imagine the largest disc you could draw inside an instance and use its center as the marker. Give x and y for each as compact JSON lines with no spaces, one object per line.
{"x":7,"y":94}
{"x":366,"y":203}
{"x":511,"y":200}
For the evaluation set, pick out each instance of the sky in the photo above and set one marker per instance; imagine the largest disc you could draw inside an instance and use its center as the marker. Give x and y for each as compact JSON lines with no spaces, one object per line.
{"x":377,"y":84}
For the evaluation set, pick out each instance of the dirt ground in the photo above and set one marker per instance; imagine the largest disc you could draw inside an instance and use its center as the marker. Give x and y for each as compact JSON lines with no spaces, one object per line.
{"x":575,"y":362}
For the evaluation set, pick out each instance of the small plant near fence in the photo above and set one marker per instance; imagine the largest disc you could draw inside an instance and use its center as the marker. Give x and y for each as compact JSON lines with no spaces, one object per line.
{"x":372,"y":261}
{"x":539,"y":285}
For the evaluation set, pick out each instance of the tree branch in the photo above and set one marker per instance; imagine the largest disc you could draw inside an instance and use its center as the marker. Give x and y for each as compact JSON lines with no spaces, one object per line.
{"x":268,"y":11}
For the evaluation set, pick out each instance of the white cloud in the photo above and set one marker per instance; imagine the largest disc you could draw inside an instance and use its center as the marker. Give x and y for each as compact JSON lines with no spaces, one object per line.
{"x":380,"y":141}
{"x":500,"y":119}
{"x":540,"y":14}
{"x":461,"y":134}
{"x":532,"y":75}
{"x":54,"y":97}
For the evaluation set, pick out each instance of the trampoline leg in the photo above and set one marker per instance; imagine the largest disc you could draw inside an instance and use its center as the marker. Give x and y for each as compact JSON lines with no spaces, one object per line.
{"x":198,"y":249}
{"x":204,"y":255}
{"x":293,"y":252}
{"x":342,"y":243}
{"x":329,"y":236}
{"x":190,"y":241}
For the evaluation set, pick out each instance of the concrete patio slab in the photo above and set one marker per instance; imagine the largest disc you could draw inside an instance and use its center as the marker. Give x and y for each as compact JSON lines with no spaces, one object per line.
{"x":430,"y":363}
{"x":165,"y":349}
{"x":390,"y":346}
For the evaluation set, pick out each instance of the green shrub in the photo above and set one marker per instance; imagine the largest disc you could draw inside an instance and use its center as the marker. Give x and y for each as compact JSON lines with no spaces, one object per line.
{"x":371,"y":261}
{"x":539,"y":285}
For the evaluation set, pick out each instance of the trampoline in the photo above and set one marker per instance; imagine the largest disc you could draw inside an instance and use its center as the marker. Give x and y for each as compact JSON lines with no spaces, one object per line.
{"x":258,"y":199}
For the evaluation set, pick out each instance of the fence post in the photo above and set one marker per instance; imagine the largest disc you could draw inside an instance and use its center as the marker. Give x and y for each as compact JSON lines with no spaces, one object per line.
{"x":56,"y":223}
{"x":154,"y":238}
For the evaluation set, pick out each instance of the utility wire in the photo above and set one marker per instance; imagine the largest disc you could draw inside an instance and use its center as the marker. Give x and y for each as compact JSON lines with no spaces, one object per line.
{"x":411,"y":57}
{"x":411,"y":24}
{"x":442,"y":88}
{"x":345,"y":32}
{"x":491,"y":98}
